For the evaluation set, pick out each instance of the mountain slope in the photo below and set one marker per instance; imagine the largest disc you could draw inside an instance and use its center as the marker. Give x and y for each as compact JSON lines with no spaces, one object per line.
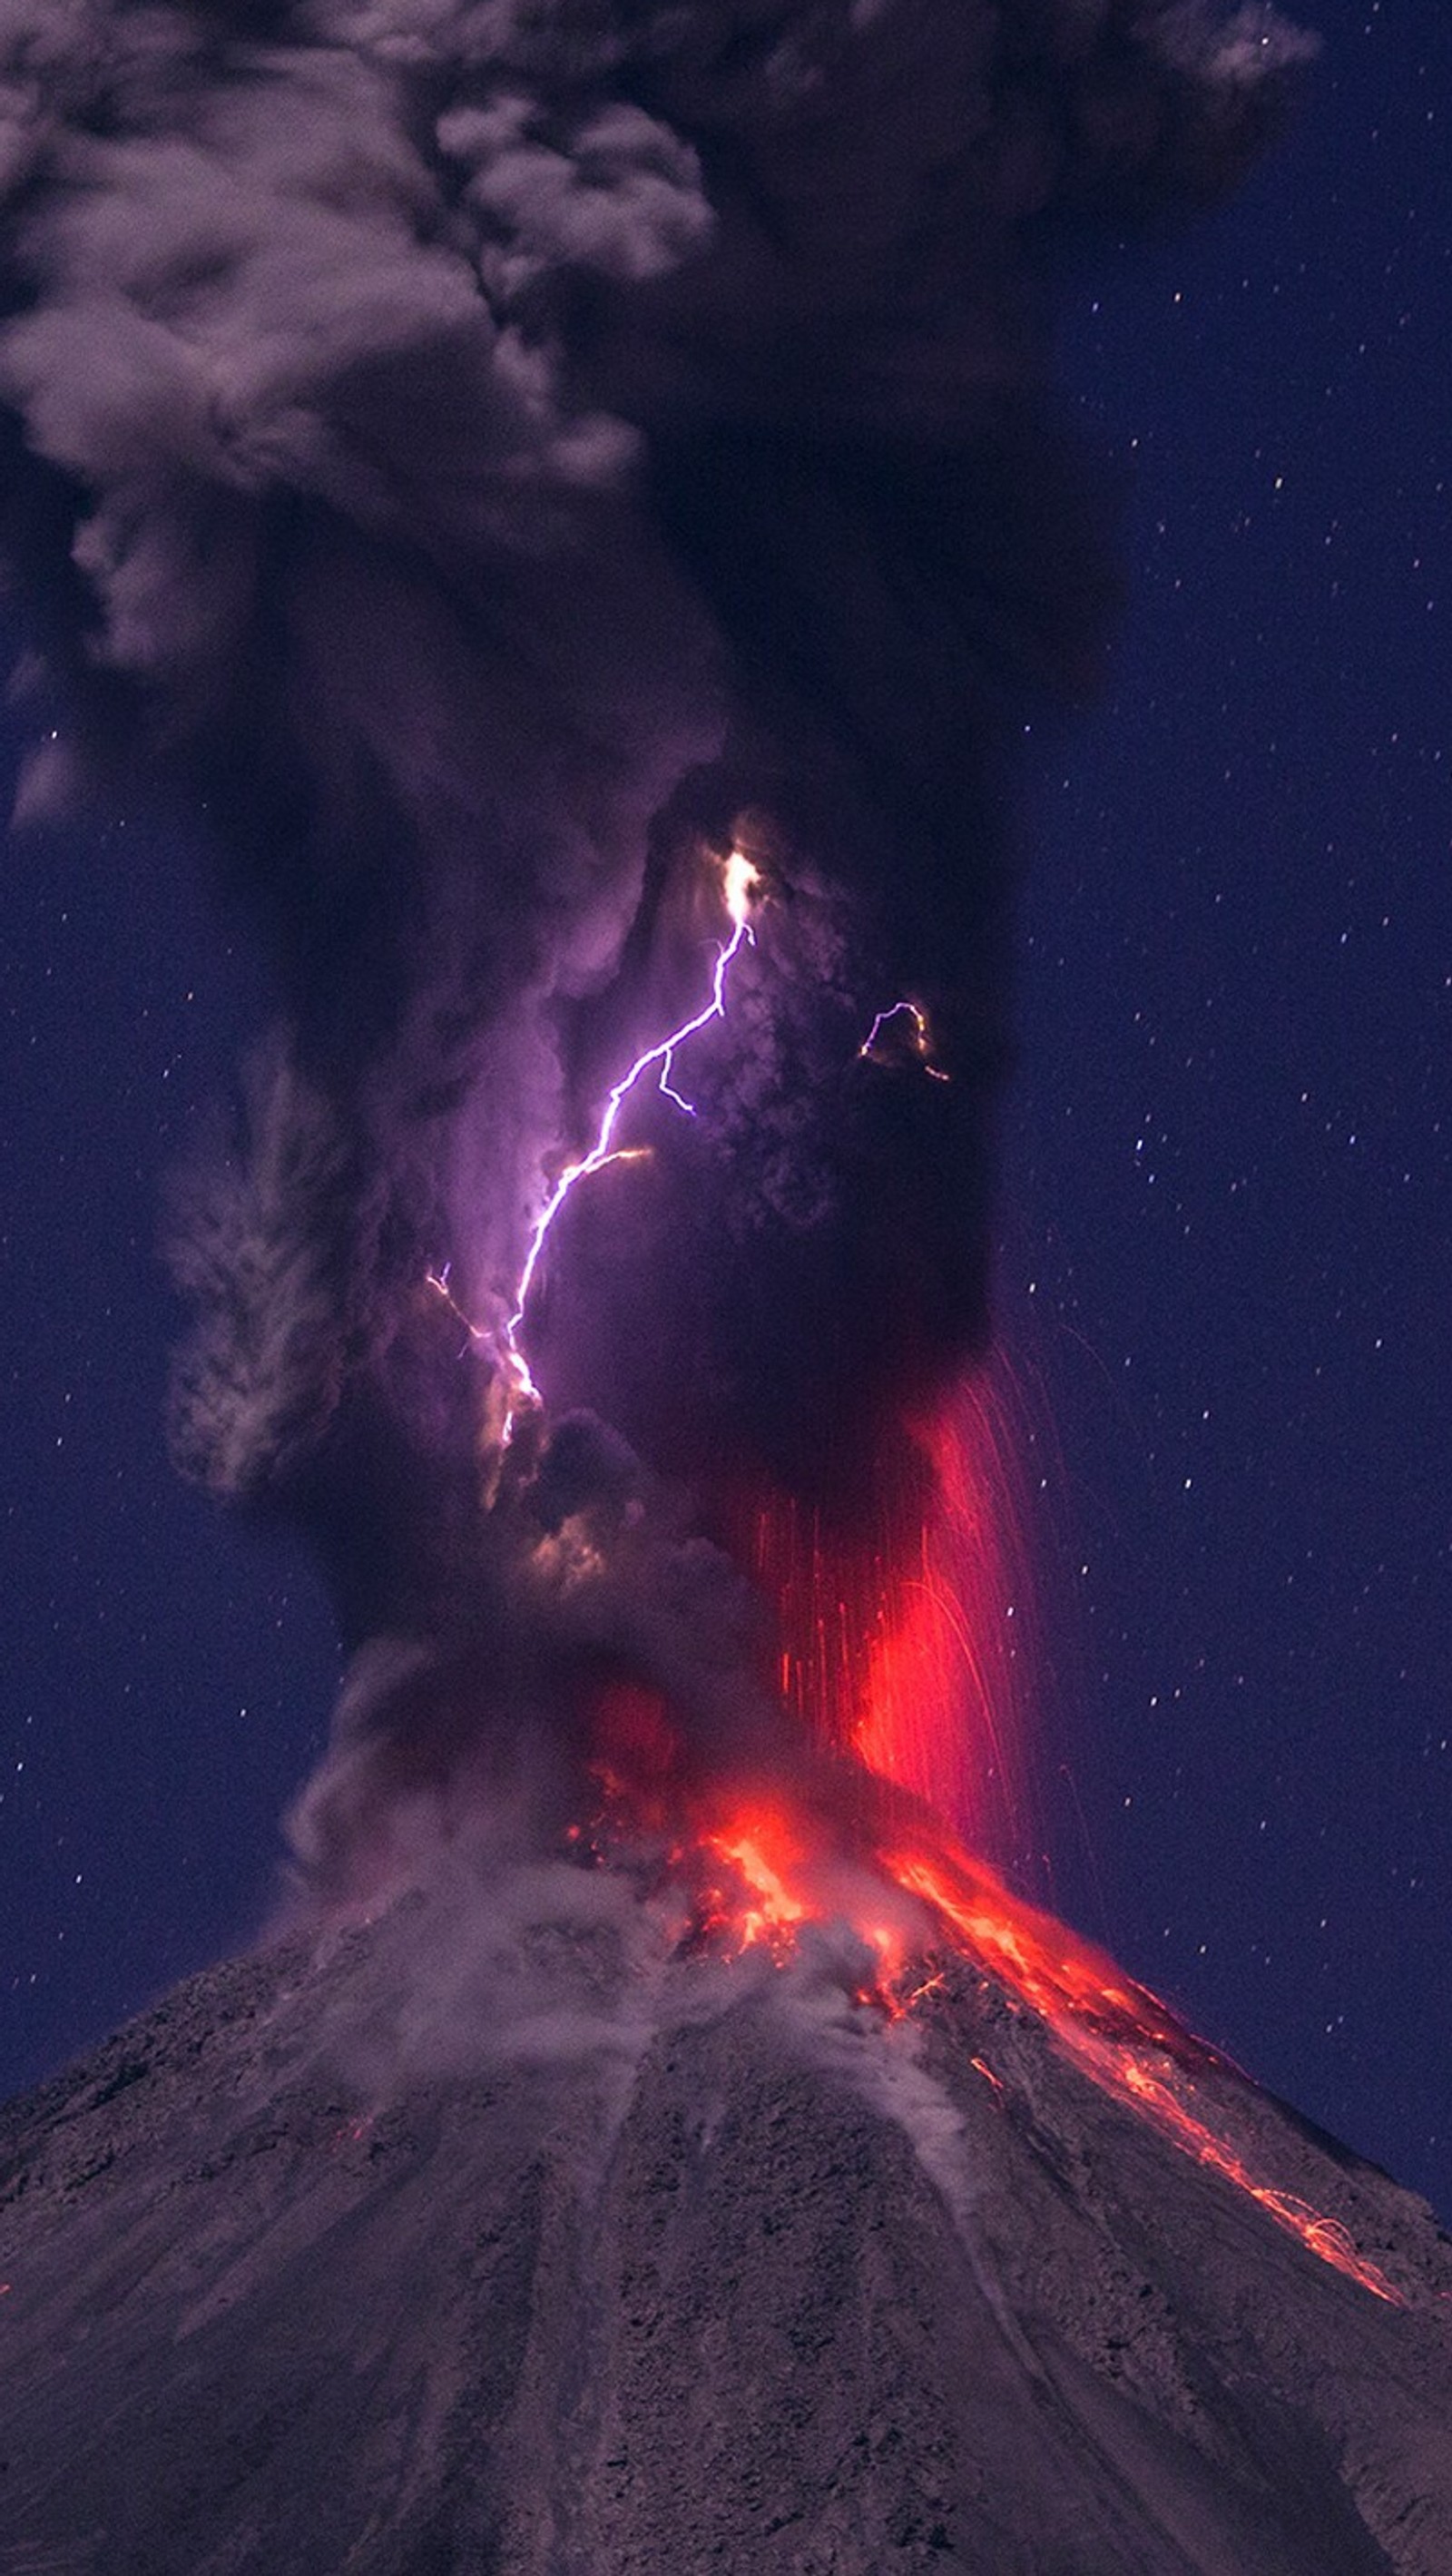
{"x":362,"y":2254}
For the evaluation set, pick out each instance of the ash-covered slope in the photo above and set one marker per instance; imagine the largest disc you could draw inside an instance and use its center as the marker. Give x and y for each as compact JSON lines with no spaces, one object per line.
{"x":519,"y":2244}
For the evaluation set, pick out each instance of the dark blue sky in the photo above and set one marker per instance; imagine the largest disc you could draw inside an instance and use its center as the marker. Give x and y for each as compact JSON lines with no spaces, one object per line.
{"x":1228,"y":1187}
{"x":1229,"y":1157}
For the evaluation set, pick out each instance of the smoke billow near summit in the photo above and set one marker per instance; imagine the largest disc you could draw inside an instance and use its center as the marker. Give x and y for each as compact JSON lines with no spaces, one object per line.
{"x":572,"y":489}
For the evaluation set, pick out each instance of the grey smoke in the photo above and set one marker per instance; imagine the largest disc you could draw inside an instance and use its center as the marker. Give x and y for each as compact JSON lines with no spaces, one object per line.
{"x":486,"y":451}
{"x":256,"y":1230}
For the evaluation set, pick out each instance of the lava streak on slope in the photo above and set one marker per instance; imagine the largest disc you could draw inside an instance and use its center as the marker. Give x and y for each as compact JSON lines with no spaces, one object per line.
{"x":762,"y":1883}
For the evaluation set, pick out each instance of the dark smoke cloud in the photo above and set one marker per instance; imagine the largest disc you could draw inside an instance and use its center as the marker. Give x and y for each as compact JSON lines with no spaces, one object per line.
{"x":495,"y":454}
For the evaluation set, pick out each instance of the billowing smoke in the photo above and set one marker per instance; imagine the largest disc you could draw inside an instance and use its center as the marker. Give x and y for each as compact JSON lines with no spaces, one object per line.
{"x":501,"y":455}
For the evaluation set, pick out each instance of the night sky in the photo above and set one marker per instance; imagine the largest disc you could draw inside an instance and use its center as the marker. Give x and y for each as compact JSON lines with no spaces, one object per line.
{"x":1225,"y":1266}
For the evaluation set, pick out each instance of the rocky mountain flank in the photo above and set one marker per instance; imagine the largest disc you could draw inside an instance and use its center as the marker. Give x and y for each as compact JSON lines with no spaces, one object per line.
{"x":363,"y":2254}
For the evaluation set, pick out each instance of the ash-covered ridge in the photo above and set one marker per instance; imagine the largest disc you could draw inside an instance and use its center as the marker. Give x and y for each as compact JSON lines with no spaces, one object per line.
{"x":504,"y":2236}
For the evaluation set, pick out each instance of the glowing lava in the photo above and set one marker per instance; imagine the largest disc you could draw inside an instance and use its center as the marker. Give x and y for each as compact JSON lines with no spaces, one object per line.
{"x":759,"y":1905}
{"x":762,"y":1873}
{"x":1120,"y":2034}
{"x":905,"y":1641}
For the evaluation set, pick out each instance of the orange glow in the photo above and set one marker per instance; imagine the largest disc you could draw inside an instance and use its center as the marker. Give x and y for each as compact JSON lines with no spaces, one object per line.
{"x":761,"y":1852}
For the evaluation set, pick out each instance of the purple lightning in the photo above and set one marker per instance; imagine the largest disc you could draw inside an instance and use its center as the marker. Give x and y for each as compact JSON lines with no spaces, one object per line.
{"x":922,"y":1039}
{"x":741,"y":880}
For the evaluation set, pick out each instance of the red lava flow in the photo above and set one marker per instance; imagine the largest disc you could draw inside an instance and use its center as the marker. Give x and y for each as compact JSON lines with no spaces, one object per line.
{"x":895,"y":1658}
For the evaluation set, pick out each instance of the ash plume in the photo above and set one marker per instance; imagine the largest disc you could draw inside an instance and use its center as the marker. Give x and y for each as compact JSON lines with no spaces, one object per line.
{"x":499,"y":455}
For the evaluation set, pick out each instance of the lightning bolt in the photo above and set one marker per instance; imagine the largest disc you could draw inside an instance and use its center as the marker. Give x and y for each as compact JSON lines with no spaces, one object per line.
{"x":740,"y":881}
{"x":921,"y":1040}
{"x":438,"y":1280}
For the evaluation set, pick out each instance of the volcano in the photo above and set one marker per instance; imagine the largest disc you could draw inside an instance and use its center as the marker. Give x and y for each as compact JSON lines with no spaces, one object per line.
{"x":570,"y":495}
{"x":523,"y":2231}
